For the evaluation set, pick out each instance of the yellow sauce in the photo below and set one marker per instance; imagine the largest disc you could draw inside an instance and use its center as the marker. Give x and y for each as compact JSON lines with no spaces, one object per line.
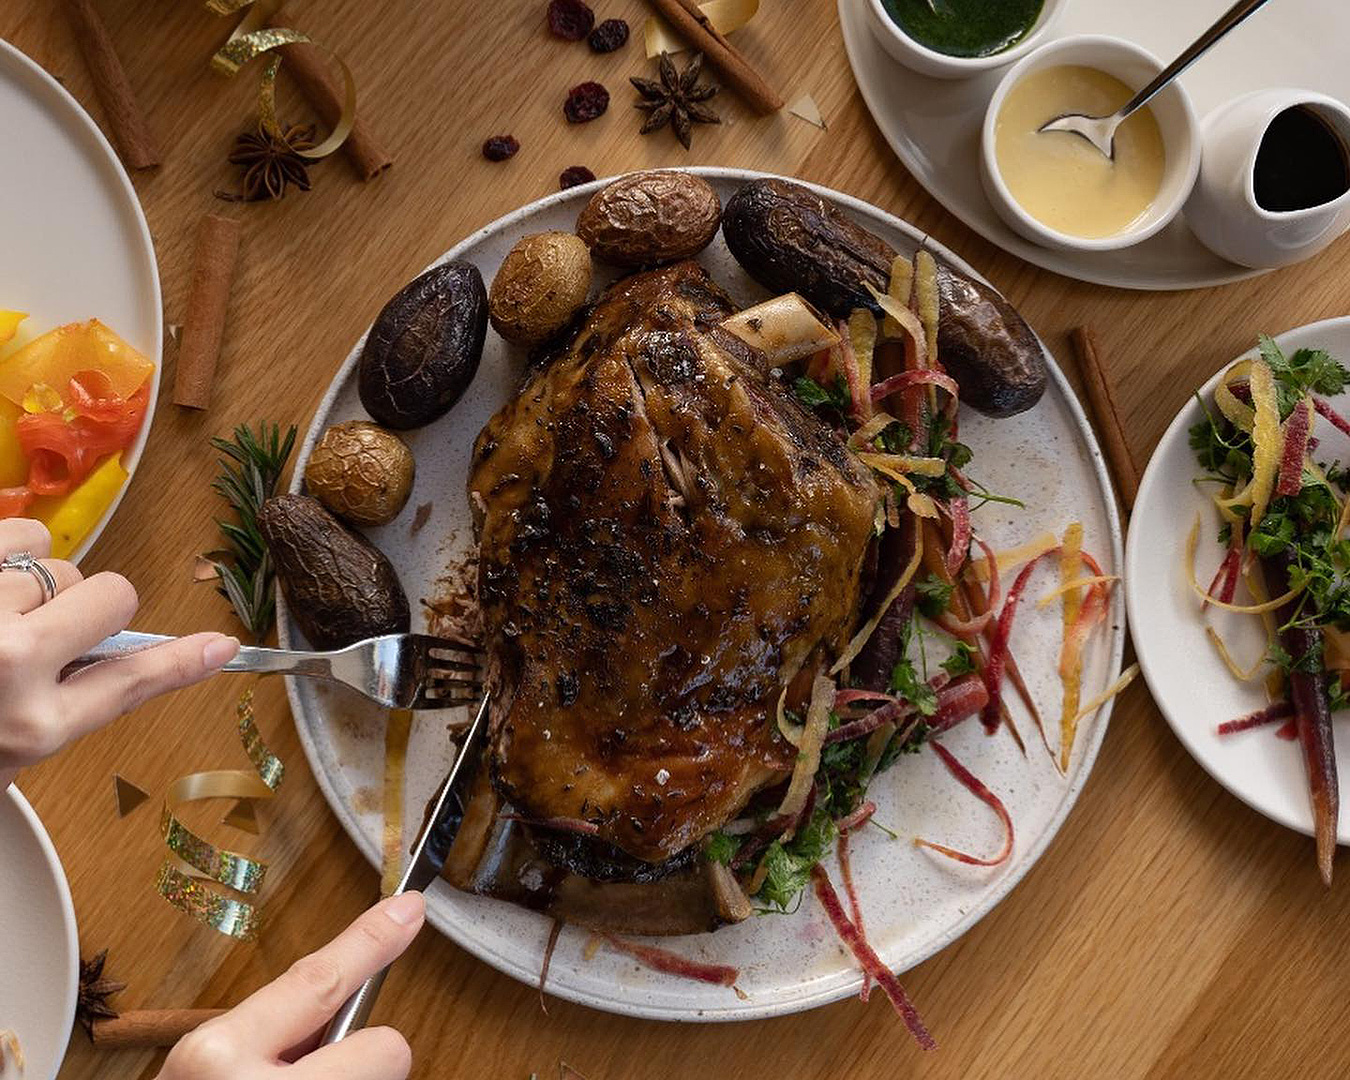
{"x":1058,"y":177}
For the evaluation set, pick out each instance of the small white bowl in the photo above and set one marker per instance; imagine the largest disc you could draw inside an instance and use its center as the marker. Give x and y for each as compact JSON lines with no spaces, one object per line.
{"x":940,"y":65}
{"x":1172,"y":108}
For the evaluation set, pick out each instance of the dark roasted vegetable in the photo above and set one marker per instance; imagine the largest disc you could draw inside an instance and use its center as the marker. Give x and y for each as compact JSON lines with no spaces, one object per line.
{"x":789,"y":239}
{"x":1312,"y":708}
{"x":424,"y":348}
{"x":987,"y":347}
{"x":338,"y":585}
{"x":871,"y":668}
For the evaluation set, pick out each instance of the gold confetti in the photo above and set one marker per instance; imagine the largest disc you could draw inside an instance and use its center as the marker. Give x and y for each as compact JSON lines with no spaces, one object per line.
{"x":252,"y":38}
{"x":243,"y":816}
{"x":193,"y":861}
{"x":725,"y":16}
{"x":127,"y":794}
{"x":805,"y":108}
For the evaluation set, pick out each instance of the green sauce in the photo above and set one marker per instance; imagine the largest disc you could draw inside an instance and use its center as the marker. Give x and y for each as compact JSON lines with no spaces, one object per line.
{"x":965,"y":27}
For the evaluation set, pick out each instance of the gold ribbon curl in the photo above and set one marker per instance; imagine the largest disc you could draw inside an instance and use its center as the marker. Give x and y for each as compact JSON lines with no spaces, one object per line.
{"x":192,"y":861}
{"x":252,"y":38}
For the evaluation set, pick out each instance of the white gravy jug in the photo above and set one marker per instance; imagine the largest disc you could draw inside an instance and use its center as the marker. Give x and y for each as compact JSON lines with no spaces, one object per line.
{"x":1223,"y":210}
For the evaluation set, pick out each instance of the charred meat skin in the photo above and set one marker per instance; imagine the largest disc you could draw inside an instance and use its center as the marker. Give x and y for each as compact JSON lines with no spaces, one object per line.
{"x":666,"y":537}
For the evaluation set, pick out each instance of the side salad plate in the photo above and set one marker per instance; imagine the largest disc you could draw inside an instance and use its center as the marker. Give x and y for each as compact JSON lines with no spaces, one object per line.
{"x":1189,"y":679}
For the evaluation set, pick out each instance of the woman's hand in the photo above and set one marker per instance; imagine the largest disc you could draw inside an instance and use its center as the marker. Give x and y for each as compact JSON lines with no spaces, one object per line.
{"x":38,"y":713}
{"x":281,"y":1024}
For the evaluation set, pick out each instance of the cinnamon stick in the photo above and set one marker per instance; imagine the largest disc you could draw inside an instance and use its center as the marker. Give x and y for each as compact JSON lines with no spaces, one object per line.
{"x":306,"y":65}
{"x":126,"y":123}
{"x":208,"y":299}
{"x":695,"y":27}
{"x":1103,"y":409}
{"x":149,"y":1027}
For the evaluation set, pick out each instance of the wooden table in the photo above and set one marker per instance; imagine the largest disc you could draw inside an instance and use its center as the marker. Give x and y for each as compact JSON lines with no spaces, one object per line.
{"x":1168,"y":931}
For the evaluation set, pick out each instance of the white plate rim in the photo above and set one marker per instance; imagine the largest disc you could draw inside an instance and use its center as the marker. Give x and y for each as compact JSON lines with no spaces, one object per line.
{"x":67,"y":905}
{"x":852,"y":24}
{"x":130,"y":462}
{"x":1153,"y":477}
{"x":848,"y":984}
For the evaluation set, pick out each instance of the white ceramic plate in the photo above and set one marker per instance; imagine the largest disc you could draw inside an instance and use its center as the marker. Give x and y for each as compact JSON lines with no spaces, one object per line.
{"x":73,"y":241}
{"x":39,"y":948}
{"x":914,"y":904}
{"x":933,"y":125}
{"x":1191,"y":685}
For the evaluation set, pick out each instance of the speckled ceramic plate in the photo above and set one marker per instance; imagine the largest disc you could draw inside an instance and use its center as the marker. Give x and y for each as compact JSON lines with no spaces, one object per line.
{"x":914,"y":903}
{"x":75,"y":244}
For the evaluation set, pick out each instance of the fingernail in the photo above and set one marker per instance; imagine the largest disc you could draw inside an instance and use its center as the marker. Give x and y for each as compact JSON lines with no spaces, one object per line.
{"x":405,"y":909}
{"x":219,"y":651}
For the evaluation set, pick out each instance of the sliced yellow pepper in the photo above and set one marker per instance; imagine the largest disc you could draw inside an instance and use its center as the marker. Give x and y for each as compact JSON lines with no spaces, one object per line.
{"x":1267,"y":439}
{"x":9,"y":323}
{"x":70,"y":517}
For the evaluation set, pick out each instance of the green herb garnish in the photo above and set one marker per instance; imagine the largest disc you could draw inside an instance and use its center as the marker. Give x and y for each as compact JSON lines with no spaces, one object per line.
{"x":811,"y":394}
{"x":250,"y":470}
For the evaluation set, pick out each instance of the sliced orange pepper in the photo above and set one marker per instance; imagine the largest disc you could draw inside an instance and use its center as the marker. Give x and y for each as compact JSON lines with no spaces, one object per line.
{"x":59,"y":355}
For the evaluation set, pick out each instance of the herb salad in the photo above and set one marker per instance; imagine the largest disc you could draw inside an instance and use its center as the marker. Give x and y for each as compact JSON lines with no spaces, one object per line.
{"x":1283,"y":514}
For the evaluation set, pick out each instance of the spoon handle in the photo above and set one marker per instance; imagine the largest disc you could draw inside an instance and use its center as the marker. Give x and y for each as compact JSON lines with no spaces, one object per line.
{"x":1225,"y":22}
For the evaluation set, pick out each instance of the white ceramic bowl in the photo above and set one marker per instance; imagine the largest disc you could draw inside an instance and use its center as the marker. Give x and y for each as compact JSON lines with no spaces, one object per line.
{"x":939,"y":65}
{"x":1176,"y":122}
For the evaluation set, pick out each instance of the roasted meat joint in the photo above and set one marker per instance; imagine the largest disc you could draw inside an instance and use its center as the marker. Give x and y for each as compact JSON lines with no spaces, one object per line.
{"x":668,"y":540}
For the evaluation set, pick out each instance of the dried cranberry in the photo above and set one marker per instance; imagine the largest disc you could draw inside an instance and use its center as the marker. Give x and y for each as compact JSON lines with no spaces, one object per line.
{"x":609,"y":35}
{"x":570,"y":19}
{"x":585,"y":101}
{"x":500,"y":147}
{"x":574,"y":175}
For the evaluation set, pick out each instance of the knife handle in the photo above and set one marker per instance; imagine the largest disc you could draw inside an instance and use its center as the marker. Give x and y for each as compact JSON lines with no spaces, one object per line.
{"x":356,"y":1010}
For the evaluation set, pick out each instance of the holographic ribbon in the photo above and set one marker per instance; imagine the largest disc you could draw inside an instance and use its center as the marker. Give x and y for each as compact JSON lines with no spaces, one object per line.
{"x":194,"y":865}
{"x":252,"y":38}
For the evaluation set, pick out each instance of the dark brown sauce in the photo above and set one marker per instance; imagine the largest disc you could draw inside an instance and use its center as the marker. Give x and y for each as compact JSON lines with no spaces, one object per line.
{"x":1301,"y":162}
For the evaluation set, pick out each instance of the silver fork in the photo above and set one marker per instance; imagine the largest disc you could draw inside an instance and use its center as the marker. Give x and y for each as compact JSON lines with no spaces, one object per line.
{"x":401,"y":671}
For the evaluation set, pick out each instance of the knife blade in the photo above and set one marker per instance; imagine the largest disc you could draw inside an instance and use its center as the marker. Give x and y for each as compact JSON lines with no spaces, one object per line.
{"x":428,"y":855}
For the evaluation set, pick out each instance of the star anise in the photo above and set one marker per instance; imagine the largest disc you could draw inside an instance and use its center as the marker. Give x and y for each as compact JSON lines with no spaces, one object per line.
{"x":94,"y":993}
{"x":677,"y":99}
{"x":272,"y":163}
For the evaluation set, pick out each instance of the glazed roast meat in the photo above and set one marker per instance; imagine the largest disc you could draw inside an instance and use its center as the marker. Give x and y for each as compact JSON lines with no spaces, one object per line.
{"x":667,"y":540}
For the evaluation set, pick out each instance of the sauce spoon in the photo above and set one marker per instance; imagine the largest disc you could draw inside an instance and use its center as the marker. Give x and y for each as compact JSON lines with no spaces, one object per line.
{"x":1100,"y":131}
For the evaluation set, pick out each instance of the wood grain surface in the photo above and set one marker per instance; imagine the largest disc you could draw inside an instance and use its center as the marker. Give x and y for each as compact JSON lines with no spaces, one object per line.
{"x":1169,"y":931}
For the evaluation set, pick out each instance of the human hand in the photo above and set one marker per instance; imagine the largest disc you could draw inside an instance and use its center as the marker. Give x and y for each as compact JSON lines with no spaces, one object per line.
{"x":275,"y":1032}
{"x":39,"y":713}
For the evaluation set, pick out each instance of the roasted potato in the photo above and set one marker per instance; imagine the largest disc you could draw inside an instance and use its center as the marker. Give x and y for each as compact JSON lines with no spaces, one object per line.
{"x":424,"y":348}
{"x":339,"y":586}
{"x":541,"y":284}
{"x":361,"y":472}
{"x":646,"y":218}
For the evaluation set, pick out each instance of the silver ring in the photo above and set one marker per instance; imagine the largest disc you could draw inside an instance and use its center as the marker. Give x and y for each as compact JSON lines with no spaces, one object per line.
{"x":24,"y":560}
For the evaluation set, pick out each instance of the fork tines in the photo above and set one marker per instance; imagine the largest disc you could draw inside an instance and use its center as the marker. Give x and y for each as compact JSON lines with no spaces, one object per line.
{"x":454,"y":672}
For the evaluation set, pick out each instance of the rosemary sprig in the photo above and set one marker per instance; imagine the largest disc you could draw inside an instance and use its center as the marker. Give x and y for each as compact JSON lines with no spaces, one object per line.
{"x":249,"y":473}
